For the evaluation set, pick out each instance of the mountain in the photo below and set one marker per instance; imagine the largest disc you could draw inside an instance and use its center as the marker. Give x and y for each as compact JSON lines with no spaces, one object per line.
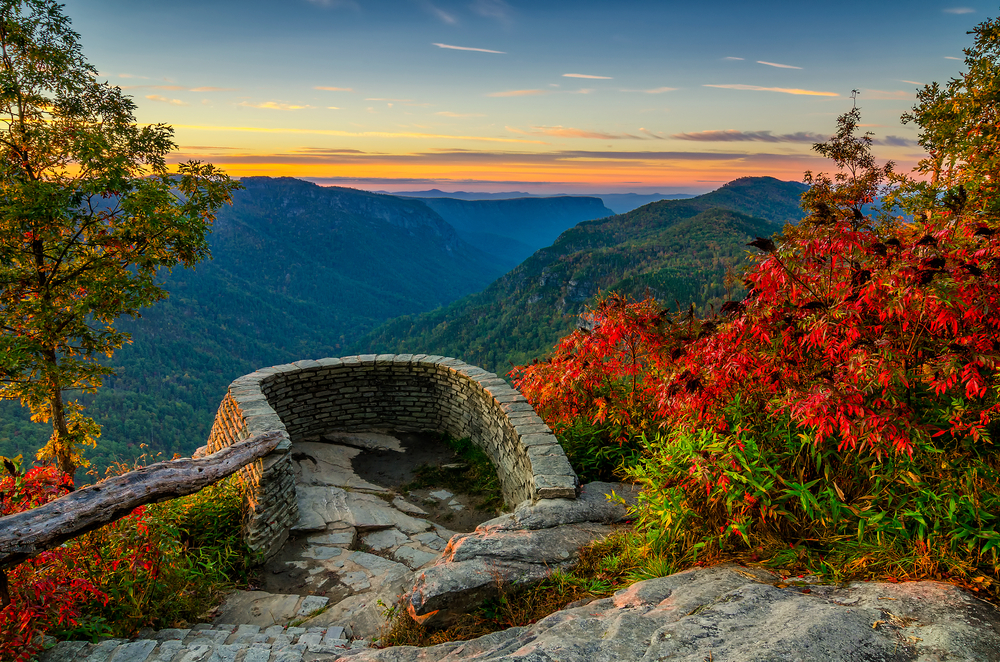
{"x":460,"y":195}
{"x":618,"y":203}
{"x":515,"y":228}
{"x":673,"y":249}
{"x":298,"y":271}
{"x":621,"y":203}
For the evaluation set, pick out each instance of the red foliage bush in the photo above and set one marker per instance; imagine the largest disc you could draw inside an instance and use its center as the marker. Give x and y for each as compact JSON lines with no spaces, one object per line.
{"x":874,"y":336}
{"x":48,"y":590}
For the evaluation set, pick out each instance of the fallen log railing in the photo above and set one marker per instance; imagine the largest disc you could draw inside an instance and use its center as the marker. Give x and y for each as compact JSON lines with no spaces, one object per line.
{"x":31,"y":532}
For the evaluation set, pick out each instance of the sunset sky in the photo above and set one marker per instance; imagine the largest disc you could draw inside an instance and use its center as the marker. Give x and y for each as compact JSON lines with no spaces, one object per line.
{"x":544,"y":96}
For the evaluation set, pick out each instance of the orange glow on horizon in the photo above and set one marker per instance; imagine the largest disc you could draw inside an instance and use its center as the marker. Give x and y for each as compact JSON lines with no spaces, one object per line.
{"x":577,"y":173}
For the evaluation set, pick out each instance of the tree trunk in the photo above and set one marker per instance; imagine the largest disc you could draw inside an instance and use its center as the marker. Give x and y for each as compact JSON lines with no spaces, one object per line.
{"x":63,"y":447}
{"x":31,"y":532}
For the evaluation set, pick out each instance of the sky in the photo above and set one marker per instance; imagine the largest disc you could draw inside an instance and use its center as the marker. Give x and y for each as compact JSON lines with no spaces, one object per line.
{"x":574,"y":96}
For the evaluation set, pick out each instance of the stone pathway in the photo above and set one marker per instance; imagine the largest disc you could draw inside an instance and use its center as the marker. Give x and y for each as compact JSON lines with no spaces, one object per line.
{"x":356,"y":546}
{"x":213,"y":643}
{"x":359,"y":547}
{"x":356,"y":550}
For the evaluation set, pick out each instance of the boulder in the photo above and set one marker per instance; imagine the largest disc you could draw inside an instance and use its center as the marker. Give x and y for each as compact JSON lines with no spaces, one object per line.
{"x":598,"y":502}
{"x":478,"y":565}
{"x":519,"y":548}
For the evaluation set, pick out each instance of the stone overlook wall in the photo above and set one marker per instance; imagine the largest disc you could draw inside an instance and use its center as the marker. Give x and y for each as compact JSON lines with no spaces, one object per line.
{"x":403,"y":392}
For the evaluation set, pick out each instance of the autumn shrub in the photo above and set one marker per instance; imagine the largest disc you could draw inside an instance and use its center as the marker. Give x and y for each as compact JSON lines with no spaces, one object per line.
{"x":49,"y":591}
{"x":169,"y":562}
{"x":851,"y":398}
{"x":160,"y":565}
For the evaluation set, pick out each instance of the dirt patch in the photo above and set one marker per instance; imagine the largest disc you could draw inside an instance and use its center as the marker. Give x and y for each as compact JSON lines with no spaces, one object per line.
{"x":391,"y":468}
{"x":457,"y":511}
{"x":281,"y":574}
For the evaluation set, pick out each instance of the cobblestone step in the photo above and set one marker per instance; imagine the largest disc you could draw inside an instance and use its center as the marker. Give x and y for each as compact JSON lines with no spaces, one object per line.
{"x":213,"y":643}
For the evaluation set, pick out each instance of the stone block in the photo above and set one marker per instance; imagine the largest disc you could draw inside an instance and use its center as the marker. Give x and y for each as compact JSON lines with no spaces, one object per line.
{"x":555,"y":487}
{"x":551,"y":465}
{"x":538,"y":440}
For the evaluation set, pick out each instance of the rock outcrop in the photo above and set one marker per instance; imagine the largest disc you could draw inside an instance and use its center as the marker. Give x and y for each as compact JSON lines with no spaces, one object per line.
{"x":735,"y":614}
{"x":519,"y":548}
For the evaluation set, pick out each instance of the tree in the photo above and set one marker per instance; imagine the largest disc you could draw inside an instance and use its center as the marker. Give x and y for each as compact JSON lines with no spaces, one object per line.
{"x":88,"y":213}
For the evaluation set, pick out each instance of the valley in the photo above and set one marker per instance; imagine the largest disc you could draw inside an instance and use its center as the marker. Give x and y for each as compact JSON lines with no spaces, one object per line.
{"x":303,"y":271}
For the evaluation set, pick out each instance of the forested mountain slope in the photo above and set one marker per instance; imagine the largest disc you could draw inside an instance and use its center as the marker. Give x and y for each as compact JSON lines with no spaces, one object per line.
{"x":677,"y":250}
{"x":299,"y":271}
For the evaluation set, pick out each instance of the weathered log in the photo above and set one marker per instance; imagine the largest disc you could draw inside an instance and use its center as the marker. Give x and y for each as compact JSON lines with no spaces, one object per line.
{"x":31,"y":532}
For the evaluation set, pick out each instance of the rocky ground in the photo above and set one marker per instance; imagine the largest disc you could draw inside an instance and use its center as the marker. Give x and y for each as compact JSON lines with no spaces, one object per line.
{"x":361,"y":543}
{"x":359,"y":537}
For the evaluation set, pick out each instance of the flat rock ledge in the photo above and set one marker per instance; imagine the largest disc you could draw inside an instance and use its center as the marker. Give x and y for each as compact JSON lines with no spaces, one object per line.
{"x":728,"y":613}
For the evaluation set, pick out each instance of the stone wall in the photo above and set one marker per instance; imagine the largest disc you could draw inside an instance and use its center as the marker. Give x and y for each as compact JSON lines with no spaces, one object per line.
{"x":404,"y":392}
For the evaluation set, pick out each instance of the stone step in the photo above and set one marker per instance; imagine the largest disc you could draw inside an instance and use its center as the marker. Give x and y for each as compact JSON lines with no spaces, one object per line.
{"x":213,"y":643}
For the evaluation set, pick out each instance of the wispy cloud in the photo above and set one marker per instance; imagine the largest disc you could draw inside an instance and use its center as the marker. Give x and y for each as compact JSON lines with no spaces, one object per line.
{"x":649,"y":133}
{"x":593,"y":155}
{"x":911,"y":82}
{"x":950,"y":57}
{"x":162,"y":99}
{"x":327,"y":151}
{"x":448,"y":113}
{"x":570,"y":132}
{"x":274,"y":105}
{"x":442,"y":15}
{"x":518,"y":93}
{"x":732,"y":135}
{"x":176,"y":88}
{"x":132,"y":76}
{"x":775,"y":64}
{"x":959,"y":10}
{"x":783,"y":90}
{"x":351,"y":134}
{"x":655,"y":90}
{"x":731,"y":59}
{"x":333,"y":89}
{"x":886,"y":95}
{"x":389,"y":100}
{"x":497,"y":10}
{"x":467,"y":48}
{"x":896,"y":141}
{"x":207,"y":148}
{"x":170,"y":88}
{"x":587,"y":76}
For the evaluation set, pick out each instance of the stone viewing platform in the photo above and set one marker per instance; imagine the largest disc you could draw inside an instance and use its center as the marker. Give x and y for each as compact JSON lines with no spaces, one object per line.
{"x":386,"y":392}
{"x":341,"y":550}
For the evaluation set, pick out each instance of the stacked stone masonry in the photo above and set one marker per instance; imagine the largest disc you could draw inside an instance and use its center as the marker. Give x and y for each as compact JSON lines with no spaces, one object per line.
{"x":402,"y":392}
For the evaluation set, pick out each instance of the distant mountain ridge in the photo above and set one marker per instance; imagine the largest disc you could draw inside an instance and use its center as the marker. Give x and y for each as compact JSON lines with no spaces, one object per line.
{"x":675,"y":250}
{"x":618,"y":203}
{"x":515,"y":228}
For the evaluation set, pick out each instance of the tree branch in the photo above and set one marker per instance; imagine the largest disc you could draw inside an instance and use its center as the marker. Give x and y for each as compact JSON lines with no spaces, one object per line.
{"x":31,"y":532}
